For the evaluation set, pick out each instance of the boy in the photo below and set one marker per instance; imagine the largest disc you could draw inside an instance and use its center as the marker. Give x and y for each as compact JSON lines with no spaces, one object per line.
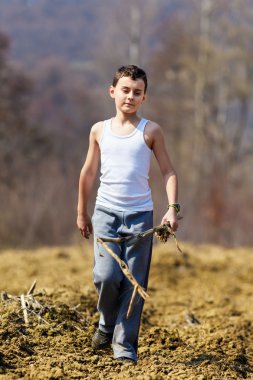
{"x":123,"y":207}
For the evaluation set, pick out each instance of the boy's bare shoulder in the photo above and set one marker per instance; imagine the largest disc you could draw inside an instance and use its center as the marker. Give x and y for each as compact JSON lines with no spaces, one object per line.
{"x":153,"y":127}
{"x":96,"y":130}
{"x":152,"y":133}
{"x":97,"y":127}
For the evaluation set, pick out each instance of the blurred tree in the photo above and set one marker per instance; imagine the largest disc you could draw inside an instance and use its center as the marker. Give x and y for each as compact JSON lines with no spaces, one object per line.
{"x":22,"y":146}
{"x":44,"y":126}
{"x":205,"y":75}
{"x":20,"y":143}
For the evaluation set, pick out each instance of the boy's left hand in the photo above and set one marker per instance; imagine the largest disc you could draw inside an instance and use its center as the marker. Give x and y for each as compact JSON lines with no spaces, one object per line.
{"x":171,"y":218}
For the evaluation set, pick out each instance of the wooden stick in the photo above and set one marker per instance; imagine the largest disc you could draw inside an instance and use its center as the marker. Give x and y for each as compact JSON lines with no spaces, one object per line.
{"x":39,"y":317}
{"x":141,"y":235}
{"x":124,"y":269}
{"x":31,"y":290}
{"x":132,"y":240}
{"x":117,"y":240}
{"x":22,"y":298}
{"x":131,"y":302}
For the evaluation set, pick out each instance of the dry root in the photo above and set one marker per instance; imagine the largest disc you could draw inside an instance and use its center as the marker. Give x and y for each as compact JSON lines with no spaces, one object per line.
{"x":163,"y":233}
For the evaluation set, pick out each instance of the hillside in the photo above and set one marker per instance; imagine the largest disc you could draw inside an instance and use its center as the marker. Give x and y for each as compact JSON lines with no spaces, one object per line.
{"x":73,"y":30}
{"x":50,"y":28}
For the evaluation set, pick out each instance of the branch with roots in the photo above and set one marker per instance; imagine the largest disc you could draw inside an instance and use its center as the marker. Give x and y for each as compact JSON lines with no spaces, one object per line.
{"x":162,"y":232}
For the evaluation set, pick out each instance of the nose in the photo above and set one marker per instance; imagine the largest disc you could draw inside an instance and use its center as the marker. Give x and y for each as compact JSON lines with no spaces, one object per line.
{"x":130,"y":95}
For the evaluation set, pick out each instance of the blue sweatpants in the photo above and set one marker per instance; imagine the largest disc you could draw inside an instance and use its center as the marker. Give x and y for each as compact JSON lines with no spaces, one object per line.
{"x":114,"y":289}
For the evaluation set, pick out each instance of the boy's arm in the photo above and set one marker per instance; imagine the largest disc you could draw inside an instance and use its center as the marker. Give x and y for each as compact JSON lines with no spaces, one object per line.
{"x":86,"y":181}
{"x":170,"y":178}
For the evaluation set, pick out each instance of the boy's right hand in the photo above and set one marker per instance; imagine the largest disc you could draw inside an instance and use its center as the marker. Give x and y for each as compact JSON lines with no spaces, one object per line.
{"x":84,"y":225}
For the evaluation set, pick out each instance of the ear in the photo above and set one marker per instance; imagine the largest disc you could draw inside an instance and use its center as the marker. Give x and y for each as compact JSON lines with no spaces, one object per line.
{"x":144,"y":98}
{"x":112,"y":91}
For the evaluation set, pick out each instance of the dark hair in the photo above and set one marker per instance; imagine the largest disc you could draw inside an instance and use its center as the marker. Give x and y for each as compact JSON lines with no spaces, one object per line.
{"x":131,"y":71}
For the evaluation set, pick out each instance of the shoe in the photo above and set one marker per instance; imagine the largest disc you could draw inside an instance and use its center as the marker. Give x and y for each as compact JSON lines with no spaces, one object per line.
{"x":124,"y":360}
{"x":101,"y":340}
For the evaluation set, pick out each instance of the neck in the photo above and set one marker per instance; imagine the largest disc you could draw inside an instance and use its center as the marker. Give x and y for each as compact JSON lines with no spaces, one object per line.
{"x":123,"y":118}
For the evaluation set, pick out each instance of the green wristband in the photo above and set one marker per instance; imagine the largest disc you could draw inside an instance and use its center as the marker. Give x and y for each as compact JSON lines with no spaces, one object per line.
{"x":176,"y":206}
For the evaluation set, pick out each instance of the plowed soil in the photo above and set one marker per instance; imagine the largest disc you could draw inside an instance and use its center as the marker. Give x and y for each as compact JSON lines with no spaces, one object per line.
{"x":196,"y":325}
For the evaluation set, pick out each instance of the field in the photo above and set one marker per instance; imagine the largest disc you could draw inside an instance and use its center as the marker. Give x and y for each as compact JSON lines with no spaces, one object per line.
{"x":197,"y":323}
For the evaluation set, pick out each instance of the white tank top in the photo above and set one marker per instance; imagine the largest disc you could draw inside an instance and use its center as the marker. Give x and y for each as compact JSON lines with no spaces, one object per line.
{"x":125,"y":162}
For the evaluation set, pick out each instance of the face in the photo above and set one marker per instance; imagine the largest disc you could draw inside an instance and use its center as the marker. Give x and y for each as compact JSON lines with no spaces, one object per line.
{"x":128,"y":94}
